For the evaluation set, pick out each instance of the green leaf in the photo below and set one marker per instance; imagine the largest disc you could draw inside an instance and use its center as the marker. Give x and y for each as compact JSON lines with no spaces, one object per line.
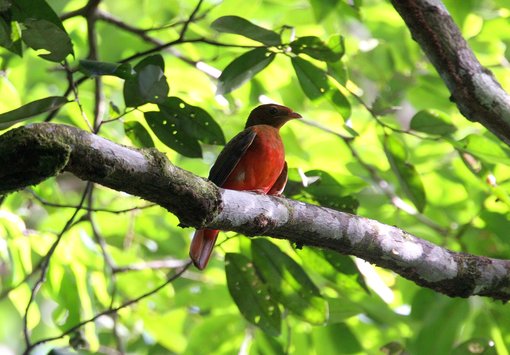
{"x":322,"y":8}
{"x":43,"y":34}
{"x":316,"y":48}
{"x":25,"y":9}
{"x":95,"y":68}
{"x":405,"y":172}
{"x":42,"y":29}
{"x":432,"y":122}
{"x":223,"y":332}
{"x":243,"y":27}
{"x":338,"y":71}
{"x":33,"y":108}
{"x":243,"y":69}
{"x":484,"y":148}
{"x":447,"y":314}
{"x":329,"y":193}
{"x":180,"y":126}
{"x":345,"y":265}
{"x":313,"y":80}
{"x":148,"y":84}
{"x":342,"y":308}
{"x":266,"y":345}
{"x":167,"y":129}
{"x":335,"y":339}
{"x":288,"y":282}
{"x":341,"y":103}
{"x":195,"y":121}
{"x":10,"y":36}
{"x":251,"y":294}
{"x":337,"y":45}
{"x":137,"y":133}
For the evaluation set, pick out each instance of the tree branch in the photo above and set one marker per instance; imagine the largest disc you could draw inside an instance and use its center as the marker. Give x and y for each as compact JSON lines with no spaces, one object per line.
{"x":474,"y":89}
{"x":199,"y":203}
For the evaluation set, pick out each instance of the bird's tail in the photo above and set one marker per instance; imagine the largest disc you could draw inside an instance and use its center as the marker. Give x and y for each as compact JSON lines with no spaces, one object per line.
{"x":202,"y":246}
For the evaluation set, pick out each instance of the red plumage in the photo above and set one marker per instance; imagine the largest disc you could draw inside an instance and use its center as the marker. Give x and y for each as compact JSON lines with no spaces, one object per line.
{"x":254,"y":160}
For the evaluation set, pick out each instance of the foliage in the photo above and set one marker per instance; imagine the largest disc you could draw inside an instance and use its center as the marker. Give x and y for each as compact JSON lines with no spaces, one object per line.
{"x":380,"y":138}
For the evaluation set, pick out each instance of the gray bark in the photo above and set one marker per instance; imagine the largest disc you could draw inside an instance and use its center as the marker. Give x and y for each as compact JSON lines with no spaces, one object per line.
{"x":473,"y":88}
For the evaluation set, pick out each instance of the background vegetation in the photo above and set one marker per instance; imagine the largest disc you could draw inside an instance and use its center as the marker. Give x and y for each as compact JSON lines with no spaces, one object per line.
{"x":380,"y":138}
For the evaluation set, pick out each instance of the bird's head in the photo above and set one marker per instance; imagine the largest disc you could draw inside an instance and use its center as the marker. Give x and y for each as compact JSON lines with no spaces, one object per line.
{"x":272,"y":115}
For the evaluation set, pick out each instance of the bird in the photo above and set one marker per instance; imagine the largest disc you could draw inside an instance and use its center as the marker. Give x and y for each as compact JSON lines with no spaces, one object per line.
{"x":254,"y":160}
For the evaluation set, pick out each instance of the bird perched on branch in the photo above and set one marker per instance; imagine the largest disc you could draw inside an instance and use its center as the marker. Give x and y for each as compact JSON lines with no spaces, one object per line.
{"x":254,"y":160}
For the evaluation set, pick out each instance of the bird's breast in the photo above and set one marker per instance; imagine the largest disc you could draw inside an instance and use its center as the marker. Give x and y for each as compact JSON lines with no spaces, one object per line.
{"x":261,"y":165}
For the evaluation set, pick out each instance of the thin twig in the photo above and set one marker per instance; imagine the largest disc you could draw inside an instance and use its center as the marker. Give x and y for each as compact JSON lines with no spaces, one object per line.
{"x":110,"y":310}
{"x":109,"y":266}
{"x":190,"y":19}
{"x":99,"y":100}
{"x":45,"y":265}
{"x":88,"y":208}
{"x":72,"y":85}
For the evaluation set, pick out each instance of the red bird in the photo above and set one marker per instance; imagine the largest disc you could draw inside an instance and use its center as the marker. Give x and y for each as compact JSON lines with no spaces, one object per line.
{"x":254,"y":160}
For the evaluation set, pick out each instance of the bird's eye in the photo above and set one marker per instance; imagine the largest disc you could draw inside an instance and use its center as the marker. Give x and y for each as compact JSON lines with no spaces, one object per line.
{"x":273,"y":110}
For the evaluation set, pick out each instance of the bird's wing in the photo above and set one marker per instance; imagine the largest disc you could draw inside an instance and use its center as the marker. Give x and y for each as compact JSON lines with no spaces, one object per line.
{"x":230,"y":156}
{"x":279,"y":185}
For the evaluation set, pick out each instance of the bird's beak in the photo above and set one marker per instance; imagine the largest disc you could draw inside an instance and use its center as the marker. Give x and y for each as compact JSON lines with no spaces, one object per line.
{"x":294,"y":115}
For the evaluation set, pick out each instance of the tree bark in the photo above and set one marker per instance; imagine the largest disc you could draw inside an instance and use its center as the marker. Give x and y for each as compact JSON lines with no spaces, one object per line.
{"x":33,"y":153}
{"x":475,"y":91}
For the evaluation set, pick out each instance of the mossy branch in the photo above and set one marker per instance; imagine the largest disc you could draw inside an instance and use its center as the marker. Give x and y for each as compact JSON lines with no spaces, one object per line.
{"x":38,"y":151}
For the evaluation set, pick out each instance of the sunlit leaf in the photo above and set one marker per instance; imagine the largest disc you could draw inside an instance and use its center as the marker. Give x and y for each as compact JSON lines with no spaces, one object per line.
{"x":243,"y":27}
{"x":313,"y":80}
{"x":344,"y":264}
{"x":335,"y":338}
{"x":243,"y":69}
{"x":432,"y":122}
{"x":288,"y":282}
{"x":338,"y":71}
{"x":447,"y":314}
{"x":484,"y":148}
{"x":406,"y":173}
{"x":32,"y":109}
{"x":138,"y":134}
{"x":342,"y":308}
{"x":221,"y":331}
{"x":251,"y":294}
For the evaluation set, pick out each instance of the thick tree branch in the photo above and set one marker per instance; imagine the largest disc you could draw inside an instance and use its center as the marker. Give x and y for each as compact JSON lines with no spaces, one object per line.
{"x":474,"y":89}
{"x":49,"y":149}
